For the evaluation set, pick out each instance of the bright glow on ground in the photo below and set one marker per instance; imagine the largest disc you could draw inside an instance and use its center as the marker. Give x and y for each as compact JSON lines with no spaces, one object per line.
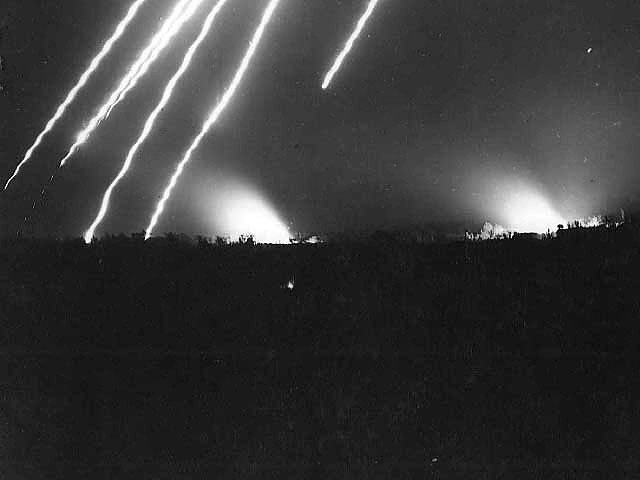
{"x":529,"y":211}
{"x":517,"y":203}
{"x":591,"y":222}
{"x":241,"y":211}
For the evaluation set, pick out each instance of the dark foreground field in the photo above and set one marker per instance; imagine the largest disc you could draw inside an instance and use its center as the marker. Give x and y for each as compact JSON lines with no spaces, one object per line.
{"x":509,"y":359}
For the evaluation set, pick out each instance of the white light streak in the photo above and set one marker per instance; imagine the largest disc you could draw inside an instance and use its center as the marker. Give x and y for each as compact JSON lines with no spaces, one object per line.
{"x":165,"y":41}
{"x":149,"y":124}
{"x":161,"y":39}
{"x":228,"y":94}
{"x":84,"y":78}
{"x":349,"y":45}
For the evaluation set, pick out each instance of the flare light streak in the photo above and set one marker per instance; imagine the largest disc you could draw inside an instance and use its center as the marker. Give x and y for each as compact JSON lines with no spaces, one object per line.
{"x":148,"y":127}
{"x":84,"y":78}
{"x":226,"y":98}
{"x":349,"y":45}
{"x":181,"y":13}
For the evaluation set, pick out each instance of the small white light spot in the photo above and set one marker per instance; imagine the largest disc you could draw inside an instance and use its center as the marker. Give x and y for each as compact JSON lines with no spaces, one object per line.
{"x":434,"y":460}
{"x":589,"y":50}
{"x":290,"y":285}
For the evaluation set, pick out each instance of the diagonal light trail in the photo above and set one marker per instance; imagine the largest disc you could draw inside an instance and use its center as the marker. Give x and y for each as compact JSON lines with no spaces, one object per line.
{"x":154,"y":55}
{"x":149,"y":124}
{"x":84,"y":78}
{"x":349,"y":45}
{"x":226,"y":98}
{"x":182,"y":12}
{"x":186,"y":16}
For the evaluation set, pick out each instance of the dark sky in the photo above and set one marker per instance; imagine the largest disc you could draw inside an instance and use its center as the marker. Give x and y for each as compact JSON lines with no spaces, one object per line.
{"x":441,"y":105}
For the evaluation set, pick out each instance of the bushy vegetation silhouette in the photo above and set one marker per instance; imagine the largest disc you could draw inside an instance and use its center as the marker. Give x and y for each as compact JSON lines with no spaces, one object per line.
{"x":386,"y":356}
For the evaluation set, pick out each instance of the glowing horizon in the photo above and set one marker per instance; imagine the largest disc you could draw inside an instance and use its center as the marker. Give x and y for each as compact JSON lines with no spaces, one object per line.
{"x":529,"y":211}
{"x":246,"y":213}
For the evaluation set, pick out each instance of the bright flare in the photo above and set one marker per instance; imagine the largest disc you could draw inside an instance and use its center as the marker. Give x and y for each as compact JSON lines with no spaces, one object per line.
{"x":168,"y":91}
{"x":228,"y":94}
{"x":169,"y":29}
{"x":349,"y":45}
{"x":95,"y":63}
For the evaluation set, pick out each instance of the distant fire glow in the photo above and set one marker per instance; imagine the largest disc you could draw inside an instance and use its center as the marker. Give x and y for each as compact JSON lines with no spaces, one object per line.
{"x":528,"y":211}
{"x":513,"y":203}
{"x":236,"y":210}
{"x":591,"y":222}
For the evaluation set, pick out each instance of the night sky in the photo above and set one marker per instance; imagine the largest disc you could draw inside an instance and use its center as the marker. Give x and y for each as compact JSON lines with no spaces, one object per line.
{"x":441,"y":107}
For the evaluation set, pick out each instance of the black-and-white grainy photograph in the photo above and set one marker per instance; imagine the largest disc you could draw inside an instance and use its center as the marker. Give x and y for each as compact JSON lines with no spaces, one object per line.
{"x":319,"y":239}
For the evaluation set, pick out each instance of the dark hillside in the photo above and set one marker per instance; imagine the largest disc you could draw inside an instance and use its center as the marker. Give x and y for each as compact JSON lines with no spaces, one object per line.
{"x":387,"y":358}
